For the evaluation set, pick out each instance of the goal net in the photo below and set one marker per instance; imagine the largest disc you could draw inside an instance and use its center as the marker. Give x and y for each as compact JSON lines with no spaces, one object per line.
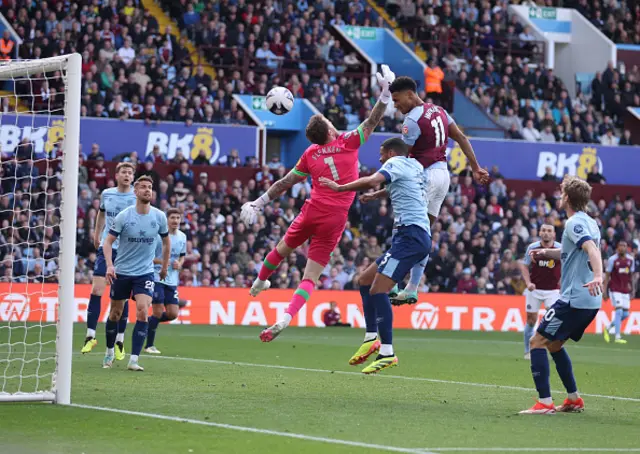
{"x":39,"y":146}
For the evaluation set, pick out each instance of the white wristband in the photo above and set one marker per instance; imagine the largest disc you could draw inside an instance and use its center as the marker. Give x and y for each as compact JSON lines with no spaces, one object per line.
{"x":385,"y":97}
{"x":263,"y":200}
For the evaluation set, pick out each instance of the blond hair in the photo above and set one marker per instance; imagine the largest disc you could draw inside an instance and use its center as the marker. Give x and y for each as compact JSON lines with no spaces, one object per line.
{"x":125,"y":165}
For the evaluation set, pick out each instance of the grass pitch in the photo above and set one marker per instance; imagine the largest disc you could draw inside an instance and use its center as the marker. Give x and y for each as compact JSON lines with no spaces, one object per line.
{"x":220,"y":390}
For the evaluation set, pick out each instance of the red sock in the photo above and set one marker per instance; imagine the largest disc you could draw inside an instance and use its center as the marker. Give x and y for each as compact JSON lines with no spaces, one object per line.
{"x":300,"y":297}
{"x":270,"y":264}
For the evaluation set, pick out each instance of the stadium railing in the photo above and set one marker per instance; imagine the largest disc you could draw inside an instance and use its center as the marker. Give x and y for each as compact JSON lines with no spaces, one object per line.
{"x":533,"y":50}
{"x":284,"y":67}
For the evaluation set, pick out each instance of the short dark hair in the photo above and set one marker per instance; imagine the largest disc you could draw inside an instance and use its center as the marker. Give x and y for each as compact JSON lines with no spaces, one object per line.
{"x":317,"y":130}
{"x":620,"y":241}
{"x":396,"y":145}
{"x":172,"y":211}
{"x":403,"y":83}
{"x":145,"y":178}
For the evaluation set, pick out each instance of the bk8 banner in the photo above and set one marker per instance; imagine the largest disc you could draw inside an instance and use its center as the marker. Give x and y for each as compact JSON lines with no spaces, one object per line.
{"x":520,"y":160}
{"x":216,"y":306}
{"x":118,"y":136}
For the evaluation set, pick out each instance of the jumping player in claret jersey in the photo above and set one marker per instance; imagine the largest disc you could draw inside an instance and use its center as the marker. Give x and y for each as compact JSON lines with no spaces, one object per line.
{"x":324,"y":215}
{"x":543,"y":281}
{"x":426,"y":131}
{"x":580,"y":299}
{"x":619,"y":282}
{"x":112,"y":202}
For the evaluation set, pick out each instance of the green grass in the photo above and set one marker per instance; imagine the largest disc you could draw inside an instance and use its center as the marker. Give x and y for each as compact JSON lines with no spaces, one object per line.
{"x":405,"y":407}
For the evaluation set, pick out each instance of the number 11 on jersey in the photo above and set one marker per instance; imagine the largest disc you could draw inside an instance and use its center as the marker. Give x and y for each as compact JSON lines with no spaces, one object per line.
{"x":438,"y":128}
{"x":332,"y":165}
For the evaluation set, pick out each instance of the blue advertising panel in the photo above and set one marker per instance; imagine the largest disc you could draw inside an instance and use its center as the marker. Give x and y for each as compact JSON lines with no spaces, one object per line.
{"x":528,"y":160}
{"x":296,"y":120}
{"x":116,"y":136}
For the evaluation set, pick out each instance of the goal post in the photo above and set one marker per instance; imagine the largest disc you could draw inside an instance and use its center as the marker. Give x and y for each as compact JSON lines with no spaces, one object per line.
{"x":36,"y":348}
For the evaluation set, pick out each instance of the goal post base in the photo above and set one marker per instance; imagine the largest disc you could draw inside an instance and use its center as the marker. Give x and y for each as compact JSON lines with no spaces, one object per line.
{"x":28,"y":397}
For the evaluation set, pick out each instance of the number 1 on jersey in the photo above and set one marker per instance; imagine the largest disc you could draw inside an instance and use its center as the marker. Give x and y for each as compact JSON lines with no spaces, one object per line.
{"x":438,"y":128}
{"x":332,"y":165}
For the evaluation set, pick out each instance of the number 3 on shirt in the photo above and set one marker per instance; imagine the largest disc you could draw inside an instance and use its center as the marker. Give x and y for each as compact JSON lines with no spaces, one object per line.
{"x":438,"y":128}
{"x":332,"y":165}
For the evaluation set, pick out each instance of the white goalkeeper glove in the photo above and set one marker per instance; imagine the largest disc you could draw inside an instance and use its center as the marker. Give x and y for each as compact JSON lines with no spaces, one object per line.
{"x":385,"y":80}
{"x":250,"y":210}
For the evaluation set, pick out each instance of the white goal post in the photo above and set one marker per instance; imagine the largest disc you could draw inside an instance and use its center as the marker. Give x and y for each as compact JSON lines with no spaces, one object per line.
{"x":35,"y":356}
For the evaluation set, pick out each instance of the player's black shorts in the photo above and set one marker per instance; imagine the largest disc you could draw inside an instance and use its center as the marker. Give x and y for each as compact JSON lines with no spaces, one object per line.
{"x":124,"y":287}
{"x":100,"y":267}
{"x":562,"y":322}
{"x":165,"y":294}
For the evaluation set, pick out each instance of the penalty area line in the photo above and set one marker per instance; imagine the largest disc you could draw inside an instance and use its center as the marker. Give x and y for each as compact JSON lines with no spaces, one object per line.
{"x":382,"y":376}
{"x":355,"y":444}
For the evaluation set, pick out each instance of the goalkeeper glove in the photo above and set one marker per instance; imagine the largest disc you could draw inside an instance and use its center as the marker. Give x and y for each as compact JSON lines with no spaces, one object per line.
{"x":385,"y":80}
{"x":250,"y":210}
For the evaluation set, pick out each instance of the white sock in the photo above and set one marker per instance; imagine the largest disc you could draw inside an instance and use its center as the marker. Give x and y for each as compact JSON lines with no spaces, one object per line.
{"x":287,"y":319}
{"x":546,"y":400}
{"x":133,"y":358}
{"x":91,"y":332}
{"x":573,"y":396}
{"x":411,"y":288}
{"x":370,"y":336}
{"x":386,"y":350}
{"x":120,"y":337}
{"x":110,"y":351}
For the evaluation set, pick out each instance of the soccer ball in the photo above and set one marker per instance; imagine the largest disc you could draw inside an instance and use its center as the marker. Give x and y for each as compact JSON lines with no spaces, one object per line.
{"x":279,"y":100}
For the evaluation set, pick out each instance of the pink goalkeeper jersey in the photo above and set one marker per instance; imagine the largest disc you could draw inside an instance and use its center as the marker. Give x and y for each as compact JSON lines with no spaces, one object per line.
{"x":336,"y":160}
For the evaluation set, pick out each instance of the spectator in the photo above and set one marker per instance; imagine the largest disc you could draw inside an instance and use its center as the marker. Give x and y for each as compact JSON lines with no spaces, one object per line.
{"x":433,"y":77}
{"x":467,"y":284}
{"x":609,"y":139}
{"x":626,"y":138}
{"x":6,"y":46}
{"x":530,"y":133}
{"x":547,"y":135}
{"x":549,"y":175}
{"x":595,"y":177}
{"x":184,"y":175}
{"x":99,"y":173}
{"x":332,"y":317}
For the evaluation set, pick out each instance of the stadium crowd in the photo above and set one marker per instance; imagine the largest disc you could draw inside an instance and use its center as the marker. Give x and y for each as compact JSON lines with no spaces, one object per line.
{"x":497,"y":63}
{"x":133,"y":70}
{"x":481,"y":233}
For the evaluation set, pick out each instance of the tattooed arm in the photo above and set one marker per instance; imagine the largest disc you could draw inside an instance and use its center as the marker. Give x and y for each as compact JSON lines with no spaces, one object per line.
{"x":283,"y":184}
{"x":250,"y":210}
{"x":371,"y":123}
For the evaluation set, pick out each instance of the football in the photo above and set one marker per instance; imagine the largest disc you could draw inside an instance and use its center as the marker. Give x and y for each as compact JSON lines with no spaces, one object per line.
{"x":279,"y":100}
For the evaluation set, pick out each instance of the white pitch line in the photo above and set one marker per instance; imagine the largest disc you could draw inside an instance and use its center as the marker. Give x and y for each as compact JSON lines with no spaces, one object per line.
{"x":355,"y":444}
{"x":536,"y":449}
{"x":396,"y":377}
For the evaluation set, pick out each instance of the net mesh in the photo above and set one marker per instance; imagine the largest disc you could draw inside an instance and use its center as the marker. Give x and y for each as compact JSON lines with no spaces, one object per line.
{"x":31,"y":133}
